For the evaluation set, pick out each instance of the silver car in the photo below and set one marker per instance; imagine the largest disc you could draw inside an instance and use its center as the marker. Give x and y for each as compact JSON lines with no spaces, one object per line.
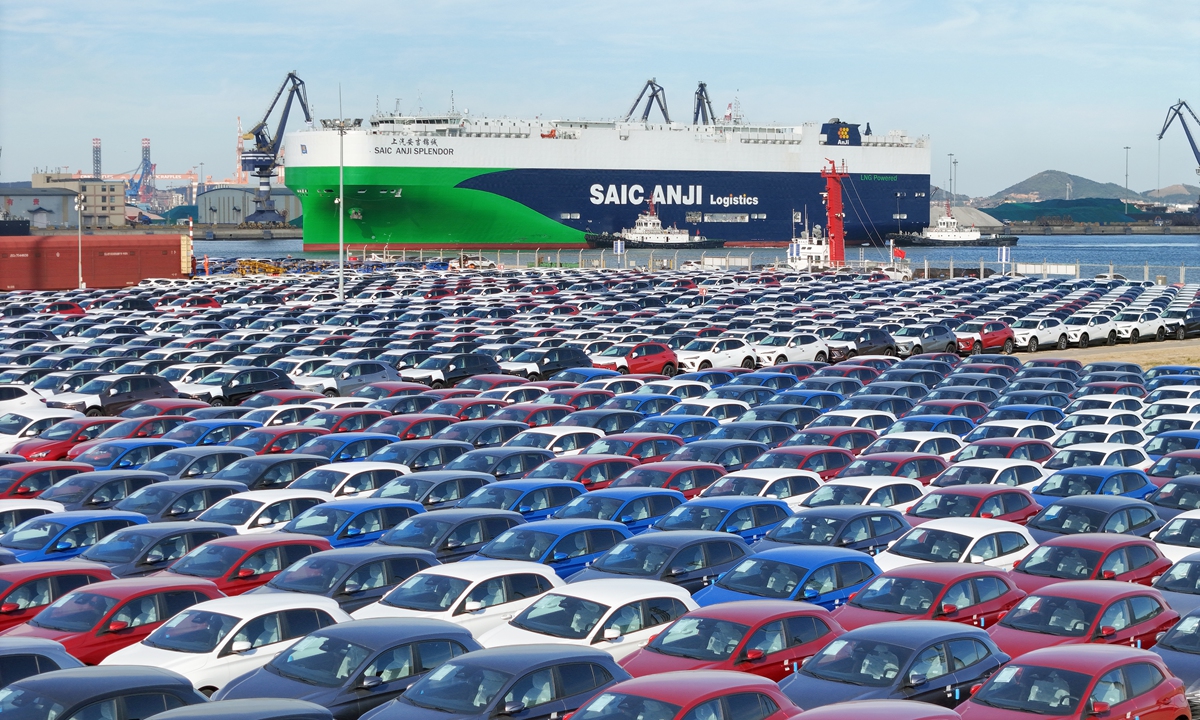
{"x":342,"y":377}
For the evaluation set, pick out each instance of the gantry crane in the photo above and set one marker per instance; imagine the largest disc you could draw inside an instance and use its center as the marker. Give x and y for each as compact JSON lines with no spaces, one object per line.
{"x":262,"y":160}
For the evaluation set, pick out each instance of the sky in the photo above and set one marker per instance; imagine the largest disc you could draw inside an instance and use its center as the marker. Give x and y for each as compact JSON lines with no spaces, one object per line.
{"x":1011,"y":88}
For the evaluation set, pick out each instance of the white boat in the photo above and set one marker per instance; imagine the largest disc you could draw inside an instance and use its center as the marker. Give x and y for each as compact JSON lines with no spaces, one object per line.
{"x":648,"y":232}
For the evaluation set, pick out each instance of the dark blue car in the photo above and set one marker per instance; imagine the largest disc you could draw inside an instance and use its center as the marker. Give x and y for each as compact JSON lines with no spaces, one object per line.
{"x":354,"y":577}
{"x":435,"y":489}
{"x":634,"y":507}
{"x":127,"y":454}
{"x":1171,"y":441}
{"x":506,"y":463}
{"x":352,"y":522}
{"x":567,"y":546}
{"x":451,"y":534}
{"x":691,"y":559}
{"x":1094,"y":513}
{"x":688,"y":427}
{"x":825,"y":576}
{"x":855,"y":527}
{"x":645,"y":405}
{"x":750,"y":518}
{"x":535,"y":499}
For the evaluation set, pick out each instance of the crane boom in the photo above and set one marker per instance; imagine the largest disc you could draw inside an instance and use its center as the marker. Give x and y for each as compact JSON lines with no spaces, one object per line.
{"x":263,"y":159}
{"x":1176,"y":111}
{"x":657,"y":94}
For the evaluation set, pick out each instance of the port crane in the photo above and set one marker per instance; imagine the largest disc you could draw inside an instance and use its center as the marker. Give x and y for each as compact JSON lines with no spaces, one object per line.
{"x":703,"y":110}
{"x":657,"y":94}
{"x":262,"y":160}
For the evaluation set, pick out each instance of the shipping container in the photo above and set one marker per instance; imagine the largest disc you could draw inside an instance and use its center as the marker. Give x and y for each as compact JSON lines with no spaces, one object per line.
{"x":51,"y":262}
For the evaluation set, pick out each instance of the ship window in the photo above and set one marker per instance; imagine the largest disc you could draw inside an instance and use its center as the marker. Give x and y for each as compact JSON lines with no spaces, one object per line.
{"x":565,"y":216}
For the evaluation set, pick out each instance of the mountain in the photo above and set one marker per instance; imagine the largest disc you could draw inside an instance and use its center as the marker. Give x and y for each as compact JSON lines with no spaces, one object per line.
{"x":1058,"y":185}
{"x":1180,"y":193}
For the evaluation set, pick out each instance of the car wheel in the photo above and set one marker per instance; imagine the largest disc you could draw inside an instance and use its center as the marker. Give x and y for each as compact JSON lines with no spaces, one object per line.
{"x":821,"y":357}
{"x":1008,"y":347}
{"x":207,"y":691}
{"x":1112,"y":337}
{"x":1133,"y":337}
{"x":888,"y":352}
{"x":331,"y":393}
{"x":850,"y":354}
{"x":1181,"y":333}
{"x":917,"y":350}
{"x":437,"y":384}
{"x":977,"y":348}
{"x":1160,"y":335}
{"x":669,"y":370}
{"x":1033,"y":345}
{"x":94,"y":412}
{"x":220,"y":402}
{"x":1062,"y":342}
{"x":749,"y":363}
{"x":704,"y":365}
{"x":1084,"y":341}
{"x":781,"y":359}
{"x":623,"y":370}
{"x":534,"y":377}
{"x":951,"y":348}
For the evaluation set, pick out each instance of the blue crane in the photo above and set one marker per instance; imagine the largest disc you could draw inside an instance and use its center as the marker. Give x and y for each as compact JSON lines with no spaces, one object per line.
{"x":262,"y":160}
{"x":1176,"y":111}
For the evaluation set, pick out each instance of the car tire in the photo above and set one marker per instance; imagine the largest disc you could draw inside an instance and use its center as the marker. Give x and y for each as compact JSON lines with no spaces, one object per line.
{"x":1008,"y":347}
{"x":851,"y":354}
{"x":218,"y":402}
{"x":889,"y":352}
{"x":1112,"y":337}
{"x":1084,"y":341}
{"x":704,"y":365}
{"x":977,"y":348}
{"x":330,"y":393}
{"x":207,"y":691}
{"x":1033,"y":345}
{"x":94,"y":412}
{"x":951,"y":348}
{"x":781,"y":359}
{"x":437,"y":384}
{"x":534,"y":377}
{"x":669,"y":370}
{"x":1133,"y":337}
{"x":749,"y":363}
{"x":821,"y":357}
{"x":1062,"y":342}
{"x":1160,"y":335}
{"x":1181,"y":333}
{"x":917,"y":350}
{"x":623,"y":370}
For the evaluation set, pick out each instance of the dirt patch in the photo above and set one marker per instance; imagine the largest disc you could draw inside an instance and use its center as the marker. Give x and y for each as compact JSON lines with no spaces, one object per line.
{"x":1146,"y":354}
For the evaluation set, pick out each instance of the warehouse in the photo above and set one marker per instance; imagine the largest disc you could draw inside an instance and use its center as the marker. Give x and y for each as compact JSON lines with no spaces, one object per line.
{"x":230,"y":205}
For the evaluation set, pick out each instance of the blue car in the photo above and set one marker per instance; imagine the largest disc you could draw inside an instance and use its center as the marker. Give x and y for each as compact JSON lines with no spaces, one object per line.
{"x":1094,"y":513}
{"x":581,"y":375}
{"x":862,"y":528}
{"x":1044,"y":413}
{"x":1156,"y":372}
{"x":506,"y":463}
{"x":534,"y":499}
{"x":346,"y":447}
{"x":822,"y":399}
{"x":127,"y":454}
{"x":567,"y":546}
{"x":636,"y":508}
{"x":1171,"y":441}
{"x":711,"y":378}
{"x":352,"y":522}
{"x":609,"y":420}
{"x":688,"y":427}
{"x":825,"y":576}
{"x":1176,"y":496}
{"x":1162,"y":381}
{"x":62,"y":536}
{"x":730,"y":454}
{"x":210,"y":432}
{"x":1093,"y":480}
{"x":748,"y":517}
{"x":764,"y":378}
{"x":647,"y":405}
{"x":771,"y":434}
{"x":101,"y":489}
{"x":750,"y":394}
{"x":953,"y":424}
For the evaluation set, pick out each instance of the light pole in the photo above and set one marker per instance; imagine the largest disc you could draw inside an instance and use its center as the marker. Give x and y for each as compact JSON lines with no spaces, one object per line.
{"x":341,"y":123}
{"x":79,"y":203}
{"x":201,"y":177}
{"x":1127,"y":168}
{"x":950,"y":189}
{"x":954,"y":178}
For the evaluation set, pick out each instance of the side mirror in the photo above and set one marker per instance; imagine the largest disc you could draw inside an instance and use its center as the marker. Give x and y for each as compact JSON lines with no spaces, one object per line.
{"x":241,"y":646}
{"x":25,"y":490}
{"x":611,"y":633}
{"x":473,"y":606}
{"x":345,"y":376}
{"x":124,"y":463}
{"x":755,"y":655}
{"x":512,"y":708}
{"x":353,"y":532}
{"x":9,"y":608}
{"x":370,"y":682}
{"x":1097,"y":708}
{"x":117,"y":626}
{"x":975,"y":688}
{"x":524,"y":508}
{"x":810,"y":593}
{"x":1108,"y":574}
{"x":558,"y":557}
{"x":625,"y":519}
{"x":63,"y":545}
{"x":948,"y":609}
{"x":1108,"y":631}
{"x":916,"y":680}
{"x":246,"y":572}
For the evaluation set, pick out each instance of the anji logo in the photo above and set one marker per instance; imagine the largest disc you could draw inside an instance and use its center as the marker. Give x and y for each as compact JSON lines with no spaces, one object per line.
{"x":844,"y":133}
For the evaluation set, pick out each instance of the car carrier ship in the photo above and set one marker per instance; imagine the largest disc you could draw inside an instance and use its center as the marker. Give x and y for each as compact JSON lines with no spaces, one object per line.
{"x":464,"y":182}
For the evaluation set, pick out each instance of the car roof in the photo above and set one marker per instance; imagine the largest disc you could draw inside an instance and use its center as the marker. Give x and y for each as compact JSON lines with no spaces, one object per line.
{"x":1092,"y":660}
{"x":811,"y":555}
{"x":754,"y":612}
{"x":1107,"y":503}
{"x":125,"y":587}
{"x":567,"y":525}
{"x":482,"y":569}
{"x":685,"y":687}
{"x":73,"y":517}
{"x":76,"y":685}
{"x":944,"y":572}
{"x":908,"y":633}
{"x":1094,"y":590}
{"x":517,"y":658}
{"x":267,"y":496}
{"x":384,"y":632}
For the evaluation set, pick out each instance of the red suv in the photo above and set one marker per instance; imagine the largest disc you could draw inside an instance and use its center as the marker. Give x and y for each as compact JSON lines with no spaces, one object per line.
{"x":645,"y":357}
{"x":980,"y":336}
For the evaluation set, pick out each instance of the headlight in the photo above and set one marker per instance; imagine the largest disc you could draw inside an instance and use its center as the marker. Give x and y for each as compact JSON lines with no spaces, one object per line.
{"x":42,"y":454}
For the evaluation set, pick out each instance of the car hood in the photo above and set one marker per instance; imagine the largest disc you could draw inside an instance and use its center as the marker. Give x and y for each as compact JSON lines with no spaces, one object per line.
{"x":839,"y":344}
{"x":28,"y":631}
{"x":1175,"y":553}
{"x":262,"y":683}
{"x":417,"y":374}
{"x":73,"y":398}
{"x":142,"y":654}
{"x":975,"y":711}
{"x":518,"y":366}
{"x":647,"y":662}
{"x":713,"y":594}
{"x":197,"y":389}
{"x":408,"y":711}
{"x":507,"y":634}
{"x":591,"y":573}
{"x":851,"y":617}
{"x":1018,"y":642}
{"x":379,"y":610}
{"x":890,"y":561}
{"x":33,"y":445}
{"x":966,"y":335}
{"x":1184,"y":666}
{"x":1182,"y":603}
{"x":815,"y":692}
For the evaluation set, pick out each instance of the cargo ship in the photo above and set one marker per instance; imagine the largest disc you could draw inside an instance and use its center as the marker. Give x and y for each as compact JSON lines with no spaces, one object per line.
{"x":458,"y":181}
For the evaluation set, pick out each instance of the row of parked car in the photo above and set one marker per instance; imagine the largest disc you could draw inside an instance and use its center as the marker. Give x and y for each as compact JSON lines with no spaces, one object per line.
{"x":609,"y":494}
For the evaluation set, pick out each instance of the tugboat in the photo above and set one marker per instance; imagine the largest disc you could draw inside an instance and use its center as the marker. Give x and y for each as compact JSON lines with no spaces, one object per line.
{"x":648,"y":232}
{"x":949,"y":234}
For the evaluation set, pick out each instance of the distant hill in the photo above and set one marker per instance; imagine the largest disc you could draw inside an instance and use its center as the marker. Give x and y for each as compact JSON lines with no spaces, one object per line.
{"x":1181,"y":193}
{"x":1058,"y":185}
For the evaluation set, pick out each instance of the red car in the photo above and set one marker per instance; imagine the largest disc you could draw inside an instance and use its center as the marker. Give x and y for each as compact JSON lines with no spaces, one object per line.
{"x":483,"y":383}
{"x":1173,"y":465}
{"x":950,"y":358}
{"x":345,"y":419}
{"x":30,"y":587}
{"x":1090,"y":556}
{"x":684,"y":644}
{"x":691,"y":695}
{"x":824,"y":461}
{"x":54,"y":443}
{"x":799,"y":369}
{"x":957,"y":592}
{"x":853,"y":439}
{"x":1012,"y":448}
{"x":389,"y":388}
{"x":1084,"y":611}
{"x":467,"y":408}
{"x":646,"y":447}
{"x":578,"y":398}
{"x":1067,"y":363}
{"x":979,"y":336}
{"x":271,"y":398}
{"x":880,"y":710}
{"x":26,"y":480}
{"x":1101,"y":681}
{"x":1109,"y":388}
{"x":413,"y":426}
{"x":64,"y":307}
{"x":857,"y":371}
{"x":688,"y":478}
{"x":277,"y":438}
{"x":915,"y":466}
{"x":1000,"y":502}
{"x":149,"y":427}
{"x":533,"y":414}
{"x":595,"y":472}
{"x":962,"y":408}
{"x":243,"y":562}
{"x":164,"y":406}
{"x":96,"y":621}
{"x":450,"y":393}
{"x":643,"y":357}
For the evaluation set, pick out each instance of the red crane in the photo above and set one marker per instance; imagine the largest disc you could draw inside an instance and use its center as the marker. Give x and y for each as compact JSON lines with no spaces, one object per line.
{"x":834,"y":227}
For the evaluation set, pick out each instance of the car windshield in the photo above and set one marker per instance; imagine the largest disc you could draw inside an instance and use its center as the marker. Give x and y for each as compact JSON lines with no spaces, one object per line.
{"x":807,"y":530}
{"x":932,"y":545}
{"x":900,"y":595}
{"x":1074,"y":458}
{"x":417,"y":532}
{"x":321,"y":521}
{"x":1184,"y":637}
{"x":700,"y":638}
{"x":435,"y":362}
{"x":982,"y":451}
{"x":1076,"y":437}
{"x":561,"y":616}
{"x":1177,"y":496}
{"x":1067,"y":484}
{"x":608,"y":446}
{"x":314,"y":574}
{"x":457,"y":688}
{"x":1174,"y":467}
{"x":619,"y":706}
{"x":492,"y":496}
{"x":692,"y":517}
{"x":403,"y":488}
{"x":476,"y":460}
{"x":192,"y":631}
{"x":318,"y":479}
{"x":75,"y":612}
{"x":1035,"y":689}
{"x":938,"y":505}
{"x":764,"y":578}
{"x":640,"y":559}
{"x":94,"y":387}
{"x":252,"y":440}
{"x":1052,"y":615}
{"x":1068,"y":519}
{"x":317,"y":660}
{"x":863,"y":467}
{"x":120,"y":547}
{"x":519,"y":544}
{"x":642,"y":478}
{"x":699,"y":346}
{"x":774,"y":459}
{"x":63,"y":430}
{"x":428,"y":592}
{"x":1183,"y":532}
{"x":208,"y":561}
{"x":231,"y":511}
{"x":218,"y":377}
{"x":170,"y":463}
{"x":100,"y":455}
{"x":28,"y":705}
{"x":965,"y":475}
{"x":592,"y":508}
{"x":837,"y":495}
{"x":244,"y":471}
{"x":327,"y":370}
{"x":322,"y":420}
{"x":72,"y":489}
{"x":148,"y":501}
{"x":733,"y":485}
{"x":858,"y":662}
{"x":32,"y":535}
{"x":1061,"y":561}
{"x":617,"y":351}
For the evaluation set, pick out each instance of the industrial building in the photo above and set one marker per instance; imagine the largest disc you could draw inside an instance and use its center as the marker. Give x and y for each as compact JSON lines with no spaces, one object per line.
{"x":49,"y":201}
{"x":43,"y":207}
{"x":231,"y":205}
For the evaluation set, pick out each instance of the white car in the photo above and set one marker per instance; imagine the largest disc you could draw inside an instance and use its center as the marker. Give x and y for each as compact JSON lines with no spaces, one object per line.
{"x":1037,"y":429}
{"x":1173,"y":421}
{"x":1098,"y":417}
{"x":993,"y":471}
{"x":723,"y":411}
{"x":27,"y":423}
{"x":1034,"y":333}
{"x":15,"y":512}
{"x":679,"y":388}
{"x":1172,"y":406}
{"x":617,"y":616}
{"x":213,"y":642}
{"x":1180,"y":537}
{"x":1100,"y":434}
{"x":873,"y":419}
{"x":777,"y":349}
{"x":947,"y":445}
{"x":1113,"y":454}
{"x":790,"y":486}
{"x":188,"y":373}
{"x":969,"y":540}
{"x":716,"y":352}
{"x":476,"y":595}
{"x":1135,"y":326}
{"x":1085,"y":330}
{"x":349,"y":479}
{"x":562,"y":440}
{"x":890,"y":492}
{"x":261,"y":511}
{"x":282,"y":414}
{"x":342,"y":403}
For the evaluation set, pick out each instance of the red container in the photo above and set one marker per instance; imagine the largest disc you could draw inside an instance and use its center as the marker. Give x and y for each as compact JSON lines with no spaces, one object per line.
{"x":50,"y":262}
